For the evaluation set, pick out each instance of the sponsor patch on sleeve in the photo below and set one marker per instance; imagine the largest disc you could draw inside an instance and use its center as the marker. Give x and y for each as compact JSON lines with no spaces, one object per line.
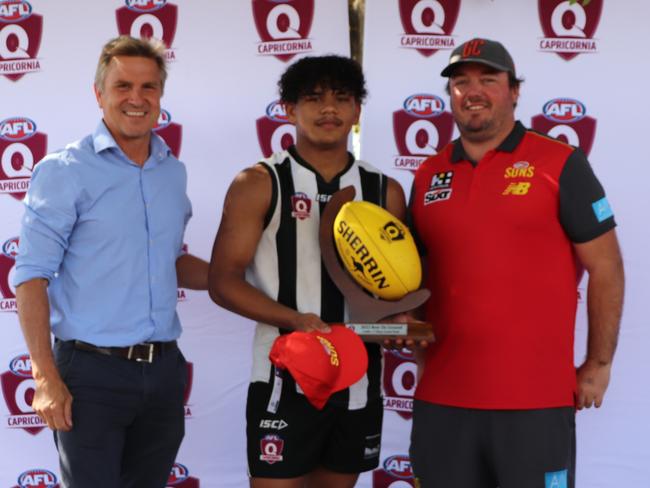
{"x":556,"y":479}
{"x":602,"y":210}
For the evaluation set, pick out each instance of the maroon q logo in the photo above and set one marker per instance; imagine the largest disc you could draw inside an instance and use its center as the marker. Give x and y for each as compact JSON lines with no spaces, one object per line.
{"x":428,"y":24}
{"x":283,"y":27}
{"x":20,"y":39}
{"x":274,"y":131}
{"x":149,"y":18}
{"x":569,"y":27}
{"x":21,"y":149}
{"x":400,"y":373}
{"x":171,"y":132}
{"x":566,"y":119}
{"x":18,"y":389}
{"x":421,"y":129}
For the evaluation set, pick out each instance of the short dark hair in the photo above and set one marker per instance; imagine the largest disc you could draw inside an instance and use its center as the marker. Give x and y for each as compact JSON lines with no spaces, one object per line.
{"x":334,"y":72}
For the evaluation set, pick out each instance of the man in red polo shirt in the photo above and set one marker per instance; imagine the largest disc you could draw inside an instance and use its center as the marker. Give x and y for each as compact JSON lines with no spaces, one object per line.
{"x":507,"y":219}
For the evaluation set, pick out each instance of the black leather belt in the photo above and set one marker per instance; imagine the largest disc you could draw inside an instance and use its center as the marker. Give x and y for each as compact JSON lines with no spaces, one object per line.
{"x":144,"y":352}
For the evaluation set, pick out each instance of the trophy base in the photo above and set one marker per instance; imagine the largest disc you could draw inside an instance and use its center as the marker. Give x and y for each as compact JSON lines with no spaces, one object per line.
{"x":380,"y":331}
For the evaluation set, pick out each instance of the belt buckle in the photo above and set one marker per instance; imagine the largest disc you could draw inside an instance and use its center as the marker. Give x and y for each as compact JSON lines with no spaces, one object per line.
{"x":148,"y":359}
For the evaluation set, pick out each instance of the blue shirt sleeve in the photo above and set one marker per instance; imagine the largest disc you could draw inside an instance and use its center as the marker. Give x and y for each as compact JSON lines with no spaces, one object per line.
{"x":50,"y":215}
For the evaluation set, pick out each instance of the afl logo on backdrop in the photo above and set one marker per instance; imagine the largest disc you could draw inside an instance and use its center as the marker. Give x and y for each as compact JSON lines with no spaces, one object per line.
{"x":283,"y":27}
{"x":21,"y":149}
{"x":20,"y":38}
{"x":179,"y":477}
{"x":428,"y":24}
{"x":274,"y":131}
{"x":569,"y":26}
{"x":421,"y":129}
{"x":566,"y":119}
{"x":395,"y":472}
{"x":37,"y":478}
{"x":18,"y":389}
{"x":149,"y":18}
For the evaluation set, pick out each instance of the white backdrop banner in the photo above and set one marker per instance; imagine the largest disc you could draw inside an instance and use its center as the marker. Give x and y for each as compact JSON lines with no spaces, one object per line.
{"x":585,"y":78}
{"x":219,"y":116}
{"x":578,"y":63}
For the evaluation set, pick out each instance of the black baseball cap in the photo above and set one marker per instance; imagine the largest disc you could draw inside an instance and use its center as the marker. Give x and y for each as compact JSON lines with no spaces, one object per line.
{"x":483,"y":51}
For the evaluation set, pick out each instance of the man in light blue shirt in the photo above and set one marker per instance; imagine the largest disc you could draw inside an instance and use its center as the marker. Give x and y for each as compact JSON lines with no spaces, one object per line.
{"x":99,"y":265}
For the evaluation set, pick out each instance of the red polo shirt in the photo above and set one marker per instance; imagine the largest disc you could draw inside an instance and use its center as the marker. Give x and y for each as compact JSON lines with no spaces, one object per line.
{"x":498,"y":237}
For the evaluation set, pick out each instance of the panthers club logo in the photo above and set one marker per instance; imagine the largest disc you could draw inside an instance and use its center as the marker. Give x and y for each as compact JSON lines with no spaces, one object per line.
{"x":566,"y":119}
{"x":149,"y":18}
{"x":20,"y":39}
{"x":428,"y":24}
{"x":274,"y":131}
{"x":283,"y":27}
{"x":569,"y":26}
{"x":21,"y":149}
{"x":421,"y":128}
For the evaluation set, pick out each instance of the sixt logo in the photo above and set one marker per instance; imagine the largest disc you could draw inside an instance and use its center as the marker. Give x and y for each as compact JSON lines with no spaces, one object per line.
{"x":37,"y":478}
{"x":178,"y":474}
{"x":424,"y":105}
{"x":17,"y":129}
{"x":164,"y":119}
{"x":21,"y":366}
{"x":399,"y":466}
{"x":14,"y":11}
{"x":564,"y":110}
{"x":275,"y":111}
{"x":10,"y":248}
{"x":145,"y":5}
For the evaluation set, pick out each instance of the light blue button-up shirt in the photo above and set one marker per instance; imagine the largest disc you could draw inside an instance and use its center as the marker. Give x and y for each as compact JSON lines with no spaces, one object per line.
{"x":106,"y":233}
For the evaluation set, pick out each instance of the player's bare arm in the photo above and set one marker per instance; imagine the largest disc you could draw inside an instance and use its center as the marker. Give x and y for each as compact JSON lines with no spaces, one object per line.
{"x":242,"y":223}
{"x":52,"y":400}
{"x":192,"y":272}
{"x":602,"y":259}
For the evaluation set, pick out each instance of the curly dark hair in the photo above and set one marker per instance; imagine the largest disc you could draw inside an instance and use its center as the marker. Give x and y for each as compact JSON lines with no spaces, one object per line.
{"x":334,"y":72}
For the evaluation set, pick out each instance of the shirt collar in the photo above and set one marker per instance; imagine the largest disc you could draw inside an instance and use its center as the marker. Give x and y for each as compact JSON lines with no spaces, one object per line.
{"x":509,"y":144}
{"x":102,"y":140}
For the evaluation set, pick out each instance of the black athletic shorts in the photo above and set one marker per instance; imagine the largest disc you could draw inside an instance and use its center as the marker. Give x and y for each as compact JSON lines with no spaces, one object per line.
{"x":298,"y":438}
{"x":468,"y":448}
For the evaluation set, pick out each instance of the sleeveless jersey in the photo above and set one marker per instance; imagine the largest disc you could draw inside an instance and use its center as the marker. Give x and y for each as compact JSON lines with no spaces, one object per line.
{"x":288,"y":267}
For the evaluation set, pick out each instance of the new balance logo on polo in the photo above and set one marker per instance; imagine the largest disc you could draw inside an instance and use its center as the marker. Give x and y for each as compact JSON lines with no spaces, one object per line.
{"x":519,"y":188}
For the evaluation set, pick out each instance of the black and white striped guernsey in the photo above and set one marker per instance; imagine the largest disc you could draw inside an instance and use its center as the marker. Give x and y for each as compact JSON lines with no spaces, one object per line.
{"x":287,"y":265}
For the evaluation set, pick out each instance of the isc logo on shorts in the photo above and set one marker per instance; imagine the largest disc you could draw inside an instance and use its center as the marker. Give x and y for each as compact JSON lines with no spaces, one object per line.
{"x":277,"y":424}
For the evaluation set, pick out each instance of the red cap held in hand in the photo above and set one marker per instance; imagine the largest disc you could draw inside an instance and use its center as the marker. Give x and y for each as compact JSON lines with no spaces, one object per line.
{"x":321,"y":363}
